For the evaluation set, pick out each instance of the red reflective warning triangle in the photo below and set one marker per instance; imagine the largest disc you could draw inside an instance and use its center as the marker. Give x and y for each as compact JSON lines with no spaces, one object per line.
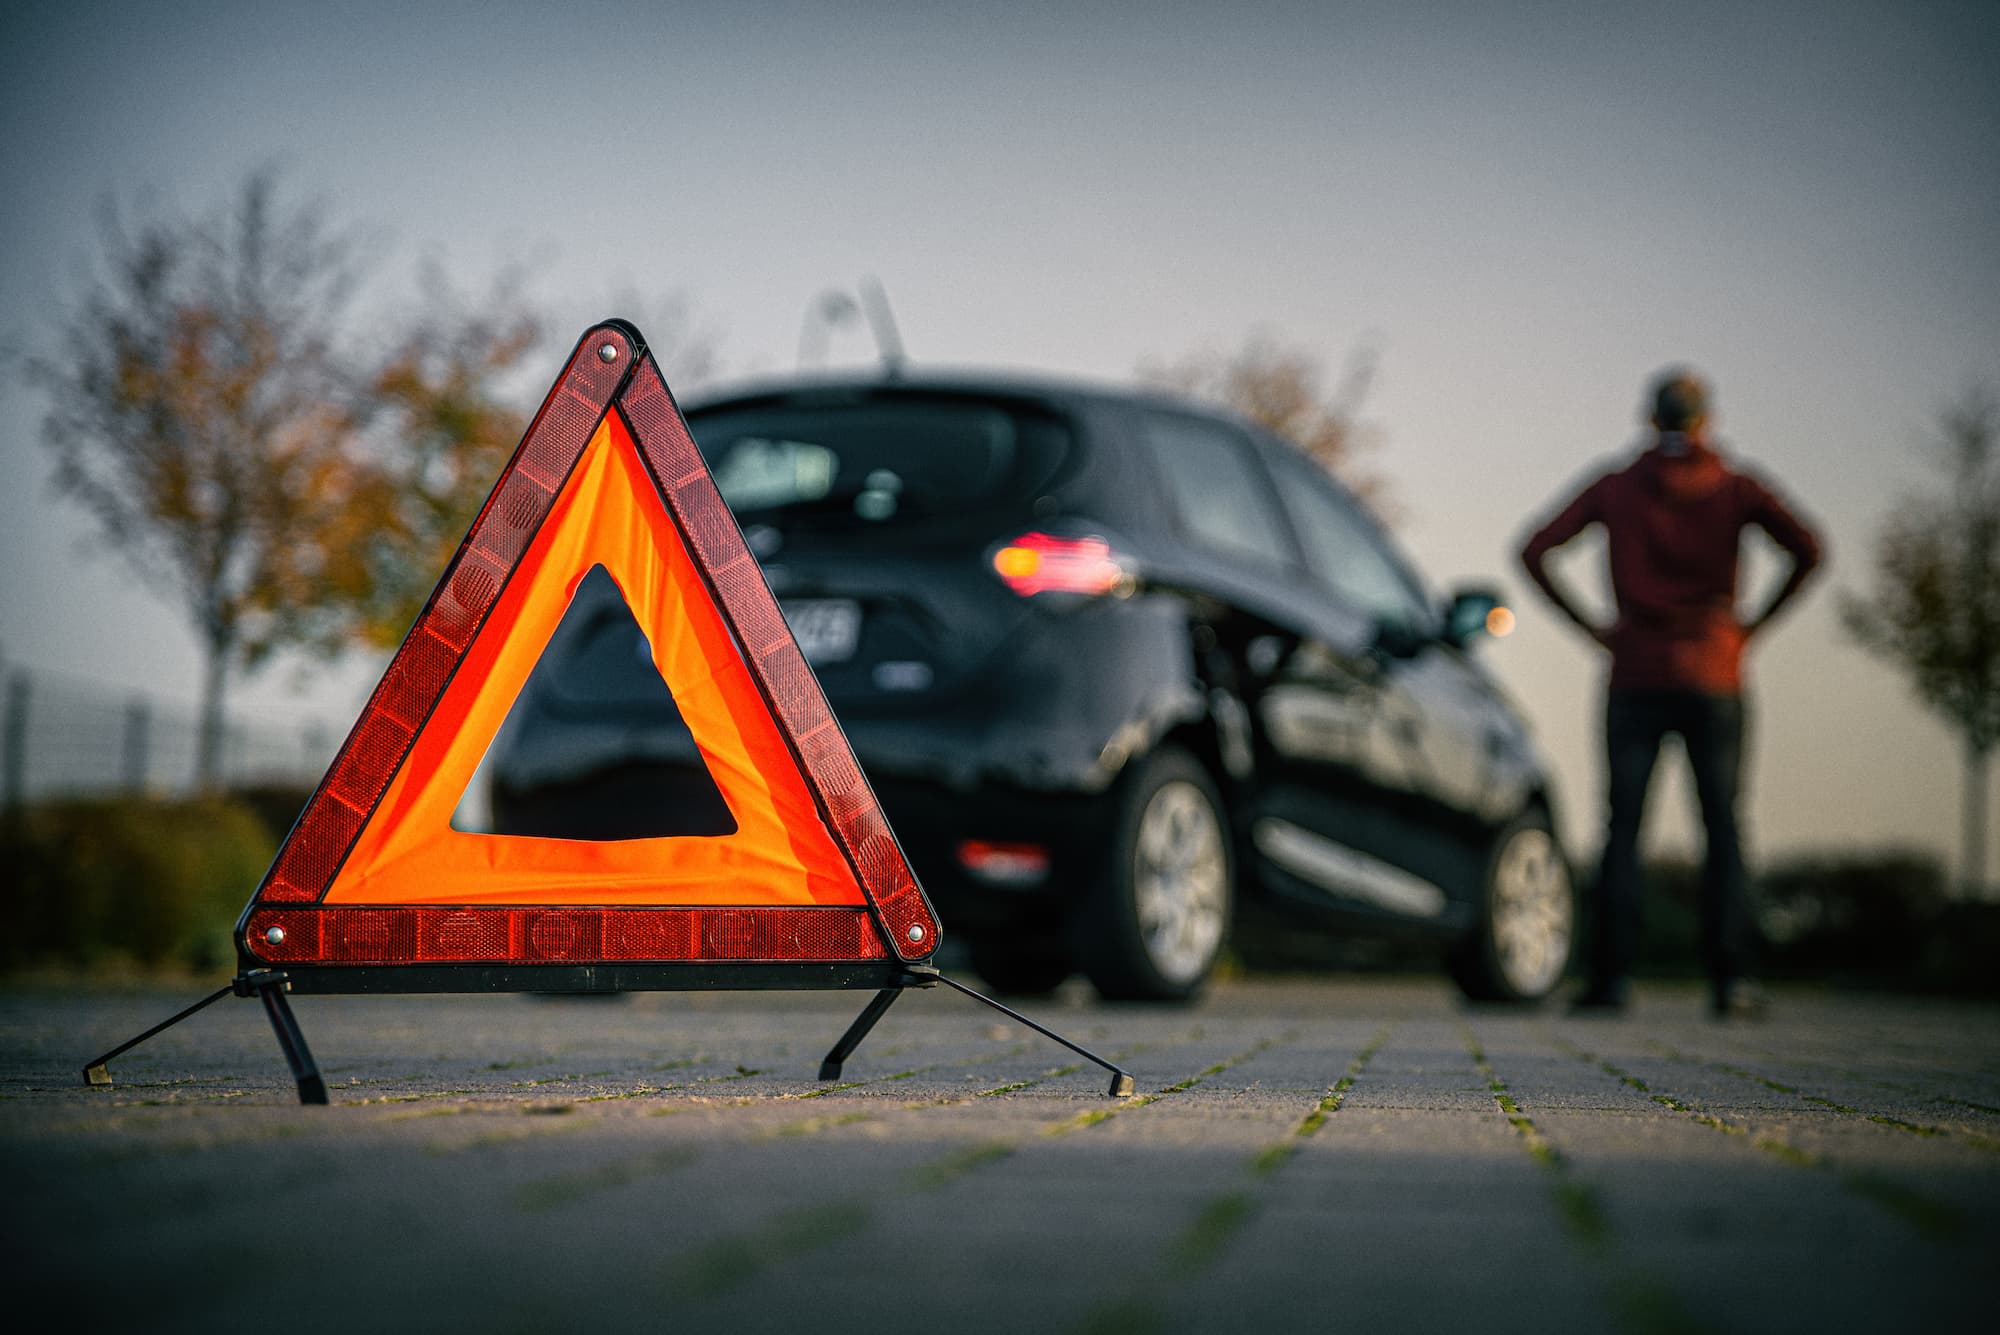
{"x":373,"y":874}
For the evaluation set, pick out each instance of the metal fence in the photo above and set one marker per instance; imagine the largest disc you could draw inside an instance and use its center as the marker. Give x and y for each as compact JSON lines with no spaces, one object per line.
{"x":62,"y":735}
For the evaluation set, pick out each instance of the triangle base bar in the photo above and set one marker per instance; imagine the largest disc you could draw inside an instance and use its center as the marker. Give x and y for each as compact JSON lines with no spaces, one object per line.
{"x":271,"y":986}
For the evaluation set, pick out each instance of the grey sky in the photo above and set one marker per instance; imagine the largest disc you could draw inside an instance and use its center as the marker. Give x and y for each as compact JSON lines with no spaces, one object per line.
{"x":1532,"y":207}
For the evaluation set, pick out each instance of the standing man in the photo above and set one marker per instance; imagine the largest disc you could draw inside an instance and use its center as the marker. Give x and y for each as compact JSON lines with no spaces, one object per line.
{"x":1673,"y":520}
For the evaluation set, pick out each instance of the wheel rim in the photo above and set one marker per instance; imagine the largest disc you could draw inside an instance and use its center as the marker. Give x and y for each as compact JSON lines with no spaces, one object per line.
{"x":1532,"y":914}
{"x":1180,"y":882}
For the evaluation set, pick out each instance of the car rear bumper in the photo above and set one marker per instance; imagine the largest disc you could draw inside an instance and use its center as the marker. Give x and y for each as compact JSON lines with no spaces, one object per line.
{"x":937,"y":801}
{"x":934,"y":825}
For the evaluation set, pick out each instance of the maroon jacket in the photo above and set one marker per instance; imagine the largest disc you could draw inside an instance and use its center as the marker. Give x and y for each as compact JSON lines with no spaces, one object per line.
{"x":1674,"y":522}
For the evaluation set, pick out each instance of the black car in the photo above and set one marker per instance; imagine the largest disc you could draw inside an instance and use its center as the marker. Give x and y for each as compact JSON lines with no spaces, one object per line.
{"x":1117,"y":667}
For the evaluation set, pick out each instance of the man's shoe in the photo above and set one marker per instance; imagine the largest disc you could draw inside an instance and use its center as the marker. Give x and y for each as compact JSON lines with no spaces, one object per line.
{"x":1738,"y":999}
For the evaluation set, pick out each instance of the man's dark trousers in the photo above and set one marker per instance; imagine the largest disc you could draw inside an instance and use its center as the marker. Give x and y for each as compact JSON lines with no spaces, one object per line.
{"x":1711,"y":727}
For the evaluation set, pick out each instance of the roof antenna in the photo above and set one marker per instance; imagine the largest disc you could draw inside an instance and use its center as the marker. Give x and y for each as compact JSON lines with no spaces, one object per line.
{"x":831,"y":307}
{"x":882,"y":322}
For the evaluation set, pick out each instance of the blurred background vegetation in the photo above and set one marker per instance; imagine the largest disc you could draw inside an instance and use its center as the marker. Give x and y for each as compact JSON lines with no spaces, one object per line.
{"x":129,"y":886}
{"x":117,"y":884}
{"x":1860,"y":919}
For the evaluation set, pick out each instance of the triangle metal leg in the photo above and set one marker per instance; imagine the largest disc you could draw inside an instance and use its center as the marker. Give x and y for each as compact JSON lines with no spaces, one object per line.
{"x":99,"y":1072}
{"x":1121,"y":1079}
{"x":849,"y":1041}
{"x":271,"y":991}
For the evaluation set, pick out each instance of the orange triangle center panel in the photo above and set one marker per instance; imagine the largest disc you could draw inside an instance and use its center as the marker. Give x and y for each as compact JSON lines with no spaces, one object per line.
{"x":374,"y":872}
{"x":657,"y":786}
{"x":781,"y":852}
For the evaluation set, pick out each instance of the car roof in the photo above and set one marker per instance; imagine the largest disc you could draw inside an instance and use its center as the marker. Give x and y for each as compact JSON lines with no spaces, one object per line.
{"x":1049,"y":387}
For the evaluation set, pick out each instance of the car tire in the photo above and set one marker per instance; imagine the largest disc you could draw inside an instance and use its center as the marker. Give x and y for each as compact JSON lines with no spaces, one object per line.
{"x":1158,"y":915}
{"x":1012,"y":966}
{"x":1521,"y":944}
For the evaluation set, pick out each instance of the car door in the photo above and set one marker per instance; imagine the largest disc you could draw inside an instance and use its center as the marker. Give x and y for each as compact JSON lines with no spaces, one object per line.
{"x":1322,"y":714}
{"x":1231,"y":555}
{"x":1375,"y":726}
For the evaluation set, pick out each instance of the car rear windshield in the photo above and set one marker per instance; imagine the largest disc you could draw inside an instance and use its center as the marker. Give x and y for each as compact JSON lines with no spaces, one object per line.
{"x":877,"y":459}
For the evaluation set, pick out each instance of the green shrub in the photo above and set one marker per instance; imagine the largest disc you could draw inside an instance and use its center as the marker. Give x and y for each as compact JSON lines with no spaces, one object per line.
{"x":1962,"y":954}
{"x":1851,"y":915}
{"x":1873,"y":918}
{"x":1670,"y":943}
{"x":276,"y":804}
{"x":159,"y":883}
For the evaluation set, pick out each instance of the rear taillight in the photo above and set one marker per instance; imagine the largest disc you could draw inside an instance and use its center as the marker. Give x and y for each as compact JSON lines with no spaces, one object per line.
{"x":1004,"y":864}
{"x":1040,"y":563}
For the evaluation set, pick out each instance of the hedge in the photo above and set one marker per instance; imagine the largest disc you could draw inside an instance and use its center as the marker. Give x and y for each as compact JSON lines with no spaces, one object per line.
{"x":90,"y":882}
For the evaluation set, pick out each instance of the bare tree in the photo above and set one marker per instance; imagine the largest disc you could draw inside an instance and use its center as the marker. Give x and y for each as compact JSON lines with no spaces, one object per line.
{"x":1935,"y":610}
{"x":1281,"y":388}
{"x":198,"y":409}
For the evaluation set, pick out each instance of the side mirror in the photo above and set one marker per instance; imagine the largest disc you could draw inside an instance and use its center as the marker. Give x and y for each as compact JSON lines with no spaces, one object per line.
{"x":1399,"y":641}
{"x":1473,"y":611}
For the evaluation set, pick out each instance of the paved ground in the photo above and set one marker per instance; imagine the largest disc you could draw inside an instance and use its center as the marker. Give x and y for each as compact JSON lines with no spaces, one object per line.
{"x":1339,"y":1154}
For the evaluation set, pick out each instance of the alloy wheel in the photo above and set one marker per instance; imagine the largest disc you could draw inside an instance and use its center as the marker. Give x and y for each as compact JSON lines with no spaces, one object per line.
{"x":1532,"y":913}
{"x":1180,"y":881}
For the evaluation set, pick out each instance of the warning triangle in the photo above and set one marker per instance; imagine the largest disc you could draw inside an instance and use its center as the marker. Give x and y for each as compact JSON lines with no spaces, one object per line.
{"x":600,"y":661}
{"x":373,"y":874}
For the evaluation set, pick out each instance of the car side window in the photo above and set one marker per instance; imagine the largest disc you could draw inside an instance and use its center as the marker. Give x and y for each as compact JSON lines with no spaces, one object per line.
{"x":1214,"y":484}
{"x":1346,"y":551}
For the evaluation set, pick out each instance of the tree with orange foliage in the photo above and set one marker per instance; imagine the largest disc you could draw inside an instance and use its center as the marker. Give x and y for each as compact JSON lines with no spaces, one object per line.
{"x":445,"y":423}
{"x":1281,"y":388}
{"x":199,"y":408}
{"x":444,"y":427}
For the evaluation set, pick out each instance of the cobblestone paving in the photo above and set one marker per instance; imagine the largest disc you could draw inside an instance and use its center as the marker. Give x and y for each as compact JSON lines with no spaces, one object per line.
{"x":1317,"y":1155}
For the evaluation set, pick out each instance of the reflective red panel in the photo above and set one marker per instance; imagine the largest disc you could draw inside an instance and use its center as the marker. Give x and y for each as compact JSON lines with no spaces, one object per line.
{"x":318,"y":935}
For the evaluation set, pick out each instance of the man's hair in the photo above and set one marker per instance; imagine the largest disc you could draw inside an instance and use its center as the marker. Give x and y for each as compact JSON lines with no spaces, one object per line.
{"x":1680,"y":399}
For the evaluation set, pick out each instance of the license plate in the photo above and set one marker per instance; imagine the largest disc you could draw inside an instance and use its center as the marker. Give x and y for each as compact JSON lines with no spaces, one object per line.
{"x":827,"y":629}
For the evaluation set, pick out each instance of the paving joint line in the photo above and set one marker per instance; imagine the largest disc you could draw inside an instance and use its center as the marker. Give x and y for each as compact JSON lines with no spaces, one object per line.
{"x":1223,"y":1216}
{"x":727,"y":1262}
{"x":723,"y":1261}
{"x":1136,"y":1101}
{"x":1938,"y":1220}
{"x":1894,"y":1086}
{"x":1640,"y":1301}
{"x":912,"y":1073}
{"x":806,"y":1126}
{"x":1883,"y":1120}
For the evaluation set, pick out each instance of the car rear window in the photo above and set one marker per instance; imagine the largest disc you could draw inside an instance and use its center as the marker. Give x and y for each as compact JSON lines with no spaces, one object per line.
{"x":877,"y":459}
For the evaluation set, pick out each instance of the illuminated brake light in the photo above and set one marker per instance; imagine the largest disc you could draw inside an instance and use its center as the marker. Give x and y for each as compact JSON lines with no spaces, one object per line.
{"x":1004,"y":864}
{"x":1039,"y":563}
